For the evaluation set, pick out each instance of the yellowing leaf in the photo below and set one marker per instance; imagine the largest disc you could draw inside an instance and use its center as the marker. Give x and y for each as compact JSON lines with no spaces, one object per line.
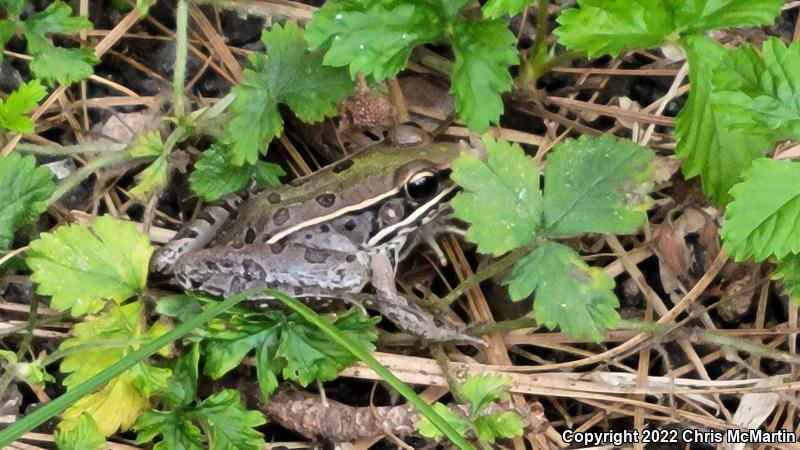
{"x":80,"y":268}
{"x":114,"y":407}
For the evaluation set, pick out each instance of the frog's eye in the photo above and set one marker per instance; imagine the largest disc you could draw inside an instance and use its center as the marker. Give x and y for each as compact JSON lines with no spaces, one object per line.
{"x":422,"y":185}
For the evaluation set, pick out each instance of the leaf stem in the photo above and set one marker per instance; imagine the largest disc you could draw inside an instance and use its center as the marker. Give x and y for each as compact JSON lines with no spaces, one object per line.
{"x":373,"y":364}
{"x":484,"y":273}
{"x":542,"y":14}
{"x":89,"y":147}
{"x":78,"y":176}
{"x":54,"y":407}
{"x":181,"y":51}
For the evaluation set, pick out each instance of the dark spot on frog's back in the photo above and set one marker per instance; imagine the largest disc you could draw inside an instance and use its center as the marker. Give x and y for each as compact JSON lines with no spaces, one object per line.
{"x":274,"y":198}
{"x":350,"y":258}
{"x":281,"y":216}
{"x":250,"y":236}
{"x":212,"y":266}
{"x":350,"y":225}
{"x":326,"y":200}
{"x":342,"y":166}
{"x":315,"y":256}
{"x":276,"y":248}
{"x":253,"y":270}
{"x":324,"y":228}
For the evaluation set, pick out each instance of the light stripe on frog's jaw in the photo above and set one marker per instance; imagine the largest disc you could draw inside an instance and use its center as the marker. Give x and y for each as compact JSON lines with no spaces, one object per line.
{"x":414,"y":219}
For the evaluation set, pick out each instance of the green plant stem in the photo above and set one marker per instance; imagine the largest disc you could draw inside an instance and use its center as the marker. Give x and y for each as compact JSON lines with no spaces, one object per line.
{"x":444,"y":363}
{"x":76,"y":177}
{"x":503,"y":326}
{"x":486,"y":272}
{"x":543,"y":13}
{"x":373,"y":364}
{"x":181,"y":51}
{"x":33,"y":317}
{"x":52,"y":408}
{"x":90,"y":147}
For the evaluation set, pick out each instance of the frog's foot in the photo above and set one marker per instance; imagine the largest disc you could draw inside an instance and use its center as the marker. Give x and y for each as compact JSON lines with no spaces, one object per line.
{"x":415,"y":320}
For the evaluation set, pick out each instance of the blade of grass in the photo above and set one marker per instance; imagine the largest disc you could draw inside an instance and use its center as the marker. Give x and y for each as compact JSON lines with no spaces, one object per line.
{"x":373,"y":364}
{"x":50,"y":409}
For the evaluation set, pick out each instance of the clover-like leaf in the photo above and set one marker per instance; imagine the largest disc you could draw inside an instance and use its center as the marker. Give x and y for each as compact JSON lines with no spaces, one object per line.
{"x":569,"y":294}
{"x":501,"y":198}
{"x":596,"y":185}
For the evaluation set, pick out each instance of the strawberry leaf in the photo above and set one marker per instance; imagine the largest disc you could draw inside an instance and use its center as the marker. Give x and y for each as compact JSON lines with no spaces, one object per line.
{"x":290,"y":74}
{"x":24,"y":189}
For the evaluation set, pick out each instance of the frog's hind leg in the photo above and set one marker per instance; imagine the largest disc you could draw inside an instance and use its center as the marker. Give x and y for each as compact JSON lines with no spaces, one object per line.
{"x":197,"y":233}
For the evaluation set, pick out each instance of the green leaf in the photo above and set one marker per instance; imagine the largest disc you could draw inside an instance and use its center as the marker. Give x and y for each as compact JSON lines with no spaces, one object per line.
{"x":175,"y":428}
{"x":290,"y":74}
{"x":7,"y":30}
{"x":427,"y":429}
{"x":24,"y":189}
{"x":82,"y":435}
{"x":374,"y":37}
{"x":597,"y":185}
{"x":290,"y":346}
{"x":56,"y":18}
{"x":14,"y":110}
{"x":788,"y":271}
{"x":771,"y":104}
{"x":612,"y":26}
{"x":484,"y":50}
{"x":215,"y":176}
{"x":182,"y":386}
{"x":762,"y":220}
{"x":693,"y":16}
{"x":717,"y":141}
{"x":80,"y":268}
{"x":64,"y":65}
{"x":501,"y":424}
{"x":15,"y":7}
{"x":231,"y":424}
{"x":569,"y":293}
{"x":502,"y":200}
{"x":154,"y":177}
{"x":602,"y":27}
{"x":494,"y":9}
{"x":481,"y":390}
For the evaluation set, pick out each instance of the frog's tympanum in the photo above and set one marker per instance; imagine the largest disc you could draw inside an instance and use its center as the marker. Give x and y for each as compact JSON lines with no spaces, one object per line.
{"x":327,"y":234}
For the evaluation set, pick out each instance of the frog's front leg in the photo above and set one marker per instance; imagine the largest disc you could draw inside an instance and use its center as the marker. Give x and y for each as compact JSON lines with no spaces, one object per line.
{"x":291,"y":268}
{"x":408,"y":316}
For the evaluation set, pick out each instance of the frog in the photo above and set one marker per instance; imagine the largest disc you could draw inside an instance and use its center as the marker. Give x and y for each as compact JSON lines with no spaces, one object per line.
{"x":331,"y":233}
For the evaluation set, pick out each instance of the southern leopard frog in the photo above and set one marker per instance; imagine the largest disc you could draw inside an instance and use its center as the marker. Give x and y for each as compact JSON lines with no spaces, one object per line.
{"x":317,"y":236}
